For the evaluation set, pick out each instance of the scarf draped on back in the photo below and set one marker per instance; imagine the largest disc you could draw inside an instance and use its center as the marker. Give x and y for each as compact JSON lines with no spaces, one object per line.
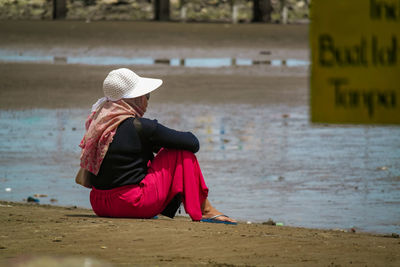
{"x":101,"y":126}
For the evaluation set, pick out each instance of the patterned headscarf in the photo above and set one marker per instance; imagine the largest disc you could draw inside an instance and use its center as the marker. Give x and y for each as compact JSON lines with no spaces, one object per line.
{"x":101,"y":126}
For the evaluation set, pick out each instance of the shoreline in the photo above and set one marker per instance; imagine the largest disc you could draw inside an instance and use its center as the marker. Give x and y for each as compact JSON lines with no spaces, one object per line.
{"x":69,"y":232}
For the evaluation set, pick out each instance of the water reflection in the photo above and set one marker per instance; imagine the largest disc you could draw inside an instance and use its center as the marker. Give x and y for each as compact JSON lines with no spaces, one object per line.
{"x":8,"y":56}
{"x":265,"y":163}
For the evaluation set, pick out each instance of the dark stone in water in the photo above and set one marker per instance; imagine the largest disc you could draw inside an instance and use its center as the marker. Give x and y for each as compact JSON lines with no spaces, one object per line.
{"x":259,"y":62}
{"x":32,"y":199}
{"x":61,"y":60}
{"x":162,"y":61}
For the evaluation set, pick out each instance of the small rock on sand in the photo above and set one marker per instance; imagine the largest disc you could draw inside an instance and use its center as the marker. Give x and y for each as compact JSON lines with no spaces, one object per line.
{"x":269,"y":222}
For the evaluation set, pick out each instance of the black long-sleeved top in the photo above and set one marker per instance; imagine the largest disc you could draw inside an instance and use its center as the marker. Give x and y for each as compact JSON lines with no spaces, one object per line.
{"x":133,"y":145}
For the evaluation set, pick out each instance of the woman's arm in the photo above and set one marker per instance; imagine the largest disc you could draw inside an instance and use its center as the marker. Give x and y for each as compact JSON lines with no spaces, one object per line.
{"x":161,"y":136}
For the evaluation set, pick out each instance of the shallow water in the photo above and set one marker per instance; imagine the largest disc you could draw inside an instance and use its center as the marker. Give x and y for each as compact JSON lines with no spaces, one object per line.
{"x":259,"y":162}
{"x":194,"y":62}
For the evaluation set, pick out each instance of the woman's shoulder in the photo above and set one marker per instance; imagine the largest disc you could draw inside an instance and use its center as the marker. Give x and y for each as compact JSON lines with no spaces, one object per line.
{"x":147,"y":122}
{"x":146,"y":125}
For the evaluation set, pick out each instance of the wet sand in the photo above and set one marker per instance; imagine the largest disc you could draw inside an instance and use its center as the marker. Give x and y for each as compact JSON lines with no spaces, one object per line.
{"x":33,"y":85}
{"x":157,"y":39}
{"x":78,"y":233}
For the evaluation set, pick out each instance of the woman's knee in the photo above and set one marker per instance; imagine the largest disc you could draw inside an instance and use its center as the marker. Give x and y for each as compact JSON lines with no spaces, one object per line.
{"x":167,"y":159}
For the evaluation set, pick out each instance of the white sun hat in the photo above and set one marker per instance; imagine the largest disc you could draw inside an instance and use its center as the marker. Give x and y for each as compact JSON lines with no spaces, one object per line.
{"x":124,"y":83}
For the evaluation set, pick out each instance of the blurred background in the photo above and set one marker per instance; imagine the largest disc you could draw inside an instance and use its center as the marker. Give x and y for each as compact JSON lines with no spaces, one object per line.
{"x":242,"y":11}
{"x":236,"y":74}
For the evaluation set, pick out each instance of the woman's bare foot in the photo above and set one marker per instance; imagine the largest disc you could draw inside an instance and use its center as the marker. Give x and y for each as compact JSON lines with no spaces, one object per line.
{"x":209,"y":211}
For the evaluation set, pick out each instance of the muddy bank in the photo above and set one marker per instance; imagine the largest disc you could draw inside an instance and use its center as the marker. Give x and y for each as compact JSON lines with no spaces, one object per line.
{"x":154,"y":39}
{"x":27,"y":86}
{"x":70,"y":232}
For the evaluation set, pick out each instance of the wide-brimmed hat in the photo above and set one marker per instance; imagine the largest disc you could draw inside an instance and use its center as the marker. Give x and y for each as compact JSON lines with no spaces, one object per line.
{"x":124,"y":83}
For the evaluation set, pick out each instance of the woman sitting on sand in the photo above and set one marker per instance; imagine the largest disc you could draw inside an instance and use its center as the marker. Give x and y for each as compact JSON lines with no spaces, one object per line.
{"x":117,"y":149}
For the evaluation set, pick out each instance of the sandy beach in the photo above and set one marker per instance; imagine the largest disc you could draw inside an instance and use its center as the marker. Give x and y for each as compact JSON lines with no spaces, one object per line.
{"x":75,"y":236}
{"x":61,"y":235}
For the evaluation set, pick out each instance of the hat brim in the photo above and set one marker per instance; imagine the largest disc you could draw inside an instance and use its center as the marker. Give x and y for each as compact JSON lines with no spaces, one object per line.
{"x":144,"y":86}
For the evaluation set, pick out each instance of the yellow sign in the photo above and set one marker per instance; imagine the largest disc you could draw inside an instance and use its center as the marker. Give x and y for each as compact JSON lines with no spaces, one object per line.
{"x":355,"y":70}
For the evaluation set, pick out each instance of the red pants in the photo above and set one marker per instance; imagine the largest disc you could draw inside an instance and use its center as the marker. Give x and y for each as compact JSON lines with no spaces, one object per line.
{"x":170,"y":173}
